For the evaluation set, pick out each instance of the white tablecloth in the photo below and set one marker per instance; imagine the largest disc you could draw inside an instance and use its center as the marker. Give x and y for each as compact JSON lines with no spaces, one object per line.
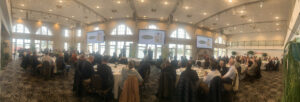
{"x":116,"y":69}
{"x":263,"y":65}
{"x":200,"y":71}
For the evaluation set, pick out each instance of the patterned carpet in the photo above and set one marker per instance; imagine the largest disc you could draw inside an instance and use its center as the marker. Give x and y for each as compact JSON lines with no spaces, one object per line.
{"x":18,"y":85}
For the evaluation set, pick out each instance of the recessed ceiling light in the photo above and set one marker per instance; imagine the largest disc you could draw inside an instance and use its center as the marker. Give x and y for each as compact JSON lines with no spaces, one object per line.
{"x":186,"y":7}
{"x":166,"y":2}
{"x":204,"y":13}
{"x":60,"y":1}
{"x":241,"y":31}
{"x":50,"y":10}
{"x":250,"y":20}
{"x":142,"y":1}
{"x":227,"y":24}
{"x":73,"y":16}
{"x":191,"y":22}
{"x":277,"y":24}
{"x":22,"y":5}
{"x":127,"y":16}
{"x":230,"y":1}
{"x":276,"y":17}
{"x":277,"y":29}
{"x":242,"y":11}
{"x":119,"y":2}
{"x":97,"y":6}
{"x":145,"y":16}
{"x":111,"y":17}
{"x":234,"y":28}
{"x":21,"y":10}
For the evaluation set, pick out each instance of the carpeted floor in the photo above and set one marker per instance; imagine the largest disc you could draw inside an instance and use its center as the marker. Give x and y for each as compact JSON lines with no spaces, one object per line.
{"x":18,"y":85}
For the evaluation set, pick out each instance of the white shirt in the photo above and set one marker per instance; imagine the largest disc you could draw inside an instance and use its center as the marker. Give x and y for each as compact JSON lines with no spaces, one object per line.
{"x":207,"y":79}
{"x":231,"y":73}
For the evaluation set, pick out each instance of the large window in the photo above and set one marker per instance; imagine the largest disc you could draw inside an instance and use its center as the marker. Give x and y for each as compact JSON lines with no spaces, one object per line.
{"x":180,"y":33}
{"x":219,"y":40}
{"x":78,"y":33}
{"x":44,"y":31}
{"x":180,"y":50}
{"x":20,"y":28}
{"x":155,"y":48}
{"x":219,"y":52}
{"x":96,"y":47}
{"x":117,"y":46}
{"x":41,"y":45}
{"x":121,"y":30}
{"x":66,"y":46}
{"x":152,"y":26}
{"x":78,"y":47}
{"x":66,"y":33}
{"x":18,"y":44}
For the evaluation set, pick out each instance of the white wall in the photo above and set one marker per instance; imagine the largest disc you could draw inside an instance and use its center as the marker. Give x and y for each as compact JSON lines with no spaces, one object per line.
{"x":257,"y":36}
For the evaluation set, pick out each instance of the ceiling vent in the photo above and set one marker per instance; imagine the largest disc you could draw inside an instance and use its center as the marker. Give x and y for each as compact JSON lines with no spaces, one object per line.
{"x":153,"y":10}
{"x":114,"y":11}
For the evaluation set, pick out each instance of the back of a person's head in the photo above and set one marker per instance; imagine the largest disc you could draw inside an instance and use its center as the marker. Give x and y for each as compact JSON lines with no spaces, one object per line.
{"x":131,"y":64}
{"x":214,"y":66}
{"x":105,"y":58}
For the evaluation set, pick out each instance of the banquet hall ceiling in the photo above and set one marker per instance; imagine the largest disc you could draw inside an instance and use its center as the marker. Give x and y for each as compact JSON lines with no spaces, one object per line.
{"x":226,"y":16}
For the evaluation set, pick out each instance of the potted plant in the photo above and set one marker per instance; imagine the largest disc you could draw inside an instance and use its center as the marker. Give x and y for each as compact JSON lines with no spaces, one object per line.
{"x":264,"y":54}
{"x":233,"y":53}
{"x":250,"y":53}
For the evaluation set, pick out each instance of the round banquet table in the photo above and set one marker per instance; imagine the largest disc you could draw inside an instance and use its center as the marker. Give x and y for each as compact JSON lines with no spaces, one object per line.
{"x":200,"y":71}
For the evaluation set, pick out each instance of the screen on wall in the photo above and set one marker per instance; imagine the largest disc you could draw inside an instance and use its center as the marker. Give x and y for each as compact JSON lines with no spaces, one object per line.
{"x":204,"y":42}
{"x":148,"y":36}
{"x":95,"y":36}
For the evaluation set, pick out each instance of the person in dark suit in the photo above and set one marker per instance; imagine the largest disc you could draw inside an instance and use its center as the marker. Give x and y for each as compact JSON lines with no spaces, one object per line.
{"x":105,"y":73}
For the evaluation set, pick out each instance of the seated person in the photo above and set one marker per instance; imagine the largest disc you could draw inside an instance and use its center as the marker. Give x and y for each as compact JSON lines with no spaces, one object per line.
{"x":144,"y":69}
{"x":105,"y":73}
{"x":231,"y":73}
{"x":114,"y":58}
{"x":130,"y":71}
{"x":60,"y":62}
{"x":167,"y":82}
{"x":214,"y":73}
{"x":123,"y":60}
{"x":186,"y":90}
{"x":251,"y":70}
{"x":84,"y":74}
{"x":222,"y":67}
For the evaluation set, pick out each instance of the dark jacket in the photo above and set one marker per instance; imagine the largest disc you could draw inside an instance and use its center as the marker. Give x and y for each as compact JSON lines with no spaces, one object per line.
{"x":186,"y":90}
{"x":167,"y":83}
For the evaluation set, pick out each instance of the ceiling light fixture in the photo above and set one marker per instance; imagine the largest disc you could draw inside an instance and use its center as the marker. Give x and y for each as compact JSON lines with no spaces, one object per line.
{"x":276,"y":17}
{"x":97,"y":6}
{"x":111,"y":17}
{"x":21,"y":10}
{"x":204,"y":13}
{"x":127,"y":16}
{"x":119,"y":2}
{"x":60,"y":1}
{"x":227,"y":24}
{"x":166,"y":2}
{"x":261,"y":4}
{"x":186,"y":7}
{"x":277,"y":29}
{"x":22,"y":5}
{"x":230,"y":1}
{"x":242,"y":11}
{"x":277,"y":24}
{"x":73,"y":16}
{"x":50,"y":10}
{"x":142,"y":1}
{"x":250,"y":20}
